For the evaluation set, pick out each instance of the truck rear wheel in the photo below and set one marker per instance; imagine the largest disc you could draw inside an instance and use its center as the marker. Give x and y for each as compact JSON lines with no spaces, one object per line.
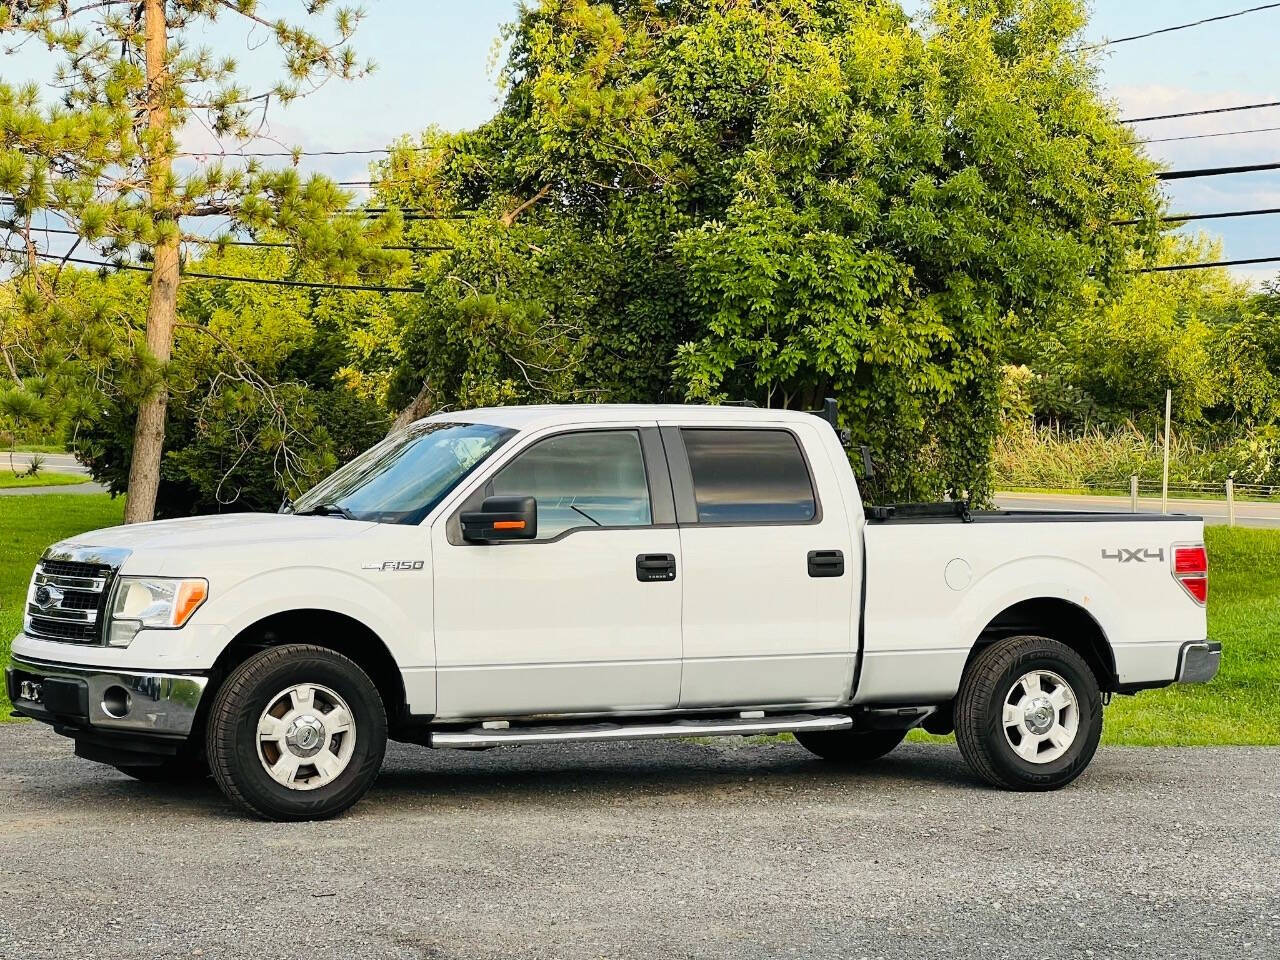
{"x":296,"y":732}
{"x":851,"y":747}
{"x":1029,"y":714}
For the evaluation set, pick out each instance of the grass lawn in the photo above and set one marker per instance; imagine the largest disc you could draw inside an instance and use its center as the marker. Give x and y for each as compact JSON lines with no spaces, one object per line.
{"x":1242,"y":706}
{"x":42,"y":479}
{"x":27,"y":526}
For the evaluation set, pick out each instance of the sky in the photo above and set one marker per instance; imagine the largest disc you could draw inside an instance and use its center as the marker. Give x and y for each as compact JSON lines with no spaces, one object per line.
{"x":436,"y":66}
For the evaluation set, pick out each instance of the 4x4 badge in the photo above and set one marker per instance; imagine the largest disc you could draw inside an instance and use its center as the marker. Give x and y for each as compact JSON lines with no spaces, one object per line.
{"x":1137,"y":554}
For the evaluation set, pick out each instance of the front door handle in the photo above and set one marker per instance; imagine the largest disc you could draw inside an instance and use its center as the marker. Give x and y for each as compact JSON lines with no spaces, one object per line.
{"x":652,"y":567}
{"x":826,"y":563}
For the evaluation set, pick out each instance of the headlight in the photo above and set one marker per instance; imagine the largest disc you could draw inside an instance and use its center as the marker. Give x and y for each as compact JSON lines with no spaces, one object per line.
{"x":156,"y":603}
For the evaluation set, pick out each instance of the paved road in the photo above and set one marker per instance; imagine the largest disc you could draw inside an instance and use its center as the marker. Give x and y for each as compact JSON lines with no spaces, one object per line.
{"x":1248,"y":513}
{"x":53,"y":462}
{"x":656,"y":850}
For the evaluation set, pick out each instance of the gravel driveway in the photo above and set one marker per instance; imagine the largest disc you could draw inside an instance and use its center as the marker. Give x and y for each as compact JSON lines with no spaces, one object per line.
{"x":656,"y":850}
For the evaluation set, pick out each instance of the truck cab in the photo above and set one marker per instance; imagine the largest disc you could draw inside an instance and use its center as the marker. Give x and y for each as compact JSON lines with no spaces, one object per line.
{"x":543,"y":574}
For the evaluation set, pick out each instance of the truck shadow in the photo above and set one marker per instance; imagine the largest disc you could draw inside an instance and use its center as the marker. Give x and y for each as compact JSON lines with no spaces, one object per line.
{"x":600,"y":772}
{"x":675,"y":773}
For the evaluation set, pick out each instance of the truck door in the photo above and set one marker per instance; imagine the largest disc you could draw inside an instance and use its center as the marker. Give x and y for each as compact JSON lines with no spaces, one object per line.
{"x":586,"y":617}
{"x":769,"y":568}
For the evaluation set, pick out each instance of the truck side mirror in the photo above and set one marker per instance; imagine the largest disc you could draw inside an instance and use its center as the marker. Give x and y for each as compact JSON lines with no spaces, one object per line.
{"x":501,"y":518}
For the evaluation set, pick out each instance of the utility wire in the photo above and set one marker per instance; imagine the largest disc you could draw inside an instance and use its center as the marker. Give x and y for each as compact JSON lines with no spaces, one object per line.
{"x":1203,"y":113}
{"x":297,"y":153}
{"x":320,"y":285}
{"x":1188,"y":217}
{"x":196,"y":275}
{"x":1206,"y":136}
{"x":1180,"y":26}
{"x":1215,"y":171}
{"x":209,"y":241}
{"x":1206,"y":266}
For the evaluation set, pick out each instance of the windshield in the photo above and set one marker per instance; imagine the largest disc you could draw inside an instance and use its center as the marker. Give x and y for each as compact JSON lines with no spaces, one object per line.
{"x":404,"y":476}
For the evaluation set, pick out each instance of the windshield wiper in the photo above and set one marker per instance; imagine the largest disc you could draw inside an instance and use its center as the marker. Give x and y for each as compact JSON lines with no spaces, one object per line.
{"x":327,"y":510}
{"x":574,"y":506}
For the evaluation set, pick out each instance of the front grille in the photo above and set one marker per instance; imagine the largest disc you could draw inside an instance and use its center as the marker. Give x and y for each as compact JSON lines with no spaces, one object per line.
{"x":72,"y":568}
{"x":68,"y":600}
{"x":50,"y":629}
{"x":78,"y":600}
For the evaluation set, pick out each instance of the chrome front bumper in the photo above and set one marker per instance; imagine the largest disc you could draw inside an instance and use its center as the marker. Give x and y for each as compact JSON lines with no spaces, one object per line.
{"x":1198,"y":662}
{"x":102,"y":699}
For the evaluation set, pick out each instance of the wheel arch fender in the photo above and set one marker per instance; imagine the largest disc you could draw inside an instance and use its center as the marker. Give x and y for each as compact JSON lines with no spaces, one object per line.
{"x":402,"y":657}
{"x":1056,"y":597}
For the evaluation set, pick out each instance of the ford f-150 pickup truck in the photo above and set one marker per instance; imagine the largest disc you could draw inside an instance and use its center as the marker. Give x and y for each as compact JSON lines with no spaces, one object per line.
{"x":534,"y":575}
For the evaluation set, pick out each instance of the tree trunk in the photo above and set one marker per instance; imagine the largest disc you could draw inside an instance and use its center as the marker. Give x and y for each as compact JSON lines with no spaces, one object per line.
{"x":162,"y":310}
{"x":416,"y":410}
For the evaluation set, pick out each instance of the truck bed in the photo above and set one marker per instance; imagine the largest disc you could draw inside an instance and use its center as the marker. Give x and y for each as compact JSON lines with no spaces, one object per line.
{"x":938,"y":580}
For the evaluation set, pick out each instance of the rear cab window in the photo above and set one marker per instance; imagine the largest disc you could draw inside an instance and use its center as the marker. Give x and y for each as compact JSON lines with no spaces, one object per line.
{"x":749,"y":476}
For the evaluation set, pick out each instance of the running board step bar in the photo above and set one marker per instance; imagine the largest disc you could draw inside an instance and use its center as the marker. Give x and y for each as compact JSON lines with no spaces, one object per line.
{"x":477,"y":737}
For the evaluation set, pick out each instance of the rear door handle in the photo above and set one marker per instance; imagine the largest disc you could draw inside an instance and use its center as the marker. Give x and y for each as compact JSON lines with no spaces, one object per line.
{"x":653,"y":567}
{"x":826,"y":563}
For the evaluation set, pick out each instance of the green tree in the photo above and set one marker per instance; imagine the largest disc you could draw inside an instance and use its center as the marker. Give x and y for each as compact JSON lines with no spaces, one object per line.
{"x":1198,"y":333}
{"x":782,"y":200}
{"x":259,"y":406}
{"x":103,"y":161}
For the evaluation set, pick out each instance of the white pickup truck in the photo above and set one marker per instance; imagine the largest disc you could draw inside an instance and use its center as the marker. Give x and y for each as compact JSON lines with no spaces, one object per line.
{"x":547,"y":574}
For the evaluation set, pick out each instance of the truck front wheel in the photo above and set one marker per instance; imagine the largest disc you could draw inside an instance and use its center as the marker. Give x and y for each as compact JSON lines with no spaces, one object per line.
{"x":1029,"y":714}
{"x":296,"y":732}
{"x":851,"y":747}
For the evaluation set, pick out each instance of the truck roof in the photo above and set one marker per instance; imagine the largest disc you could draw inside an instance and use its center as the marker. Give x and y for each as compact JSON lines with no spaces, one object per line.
{"x":550,"y":415}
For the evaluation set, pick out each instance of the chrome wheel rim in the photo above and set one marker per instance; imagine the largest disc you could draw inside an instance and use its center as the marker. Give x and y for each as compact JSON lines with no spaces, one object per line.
{"x":1041,"y":716}
{"x":306,"y":736}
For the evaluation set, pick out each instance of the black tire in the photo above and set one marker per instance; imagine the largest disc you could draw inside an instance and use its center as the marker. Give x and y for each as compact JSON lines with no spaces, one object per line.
{"x":851,"y":747}
{"x":232,"y":734}
{"x":182,"y":769}
{"x":992,"y":680}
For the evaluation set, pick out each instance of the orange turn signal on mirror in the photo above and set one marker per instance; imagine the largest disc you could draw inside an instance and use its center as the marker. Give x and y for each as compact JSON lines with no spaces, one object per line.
{"x":508,"y":525}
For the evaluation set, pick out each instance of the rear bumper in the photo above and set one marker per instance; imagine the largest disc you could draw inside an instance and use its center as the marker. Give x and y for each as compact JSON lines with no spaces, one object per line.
{"x":99,"y":699}
{"x":1198,"y":662}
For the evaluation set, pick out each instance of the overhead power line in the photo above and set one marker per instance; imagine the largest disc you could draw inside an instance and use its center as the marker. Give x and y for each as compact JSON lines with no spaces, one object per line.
{"x":1215,"y":171}
{"x":1179,"y":26}
{"x":1205,"y":266}
{"x":362,"y":151}
{"x":213,"y":242}
{"x":1188,"y":217}
{"x":1203,"y":113}
{"x":1207,"y":136}
{"x":197,"y":275}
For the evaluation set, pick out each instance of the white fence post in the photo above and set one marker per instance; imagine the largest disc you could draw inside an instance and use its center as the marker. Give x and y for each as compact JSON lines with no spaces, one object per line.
{"x":1164,"y":483}
{"x":1231,"y":502}
{"x":1133,"y":494}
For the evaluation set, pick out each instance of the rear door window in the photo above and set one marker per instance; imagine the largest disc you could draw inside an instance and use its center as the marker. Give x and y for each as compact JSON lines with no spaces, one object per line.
{"x":749,"y":476}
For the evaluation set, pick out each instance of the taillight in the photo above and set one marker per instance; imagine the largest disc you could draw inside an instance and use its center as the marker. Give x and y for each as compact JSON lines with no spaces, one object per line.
{"x":1191,"y":569}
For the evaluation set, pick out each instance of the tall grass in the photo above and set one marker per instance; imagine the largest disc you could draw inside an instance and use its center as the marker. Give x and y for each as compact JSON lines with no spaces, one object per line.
{"x":1048,"y":457}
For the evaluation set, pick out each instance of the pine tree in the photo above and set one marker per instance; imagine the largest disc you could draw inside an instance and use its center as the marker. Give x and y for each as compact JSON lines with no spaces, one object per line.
{"x":104,"y":161}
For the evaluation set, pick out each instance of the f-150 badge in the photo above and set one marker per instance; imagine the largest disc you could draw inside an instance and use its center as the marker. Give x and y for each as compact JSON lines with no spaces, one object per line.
{"x":392,"y":565}
{"x":1136,"y":555}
